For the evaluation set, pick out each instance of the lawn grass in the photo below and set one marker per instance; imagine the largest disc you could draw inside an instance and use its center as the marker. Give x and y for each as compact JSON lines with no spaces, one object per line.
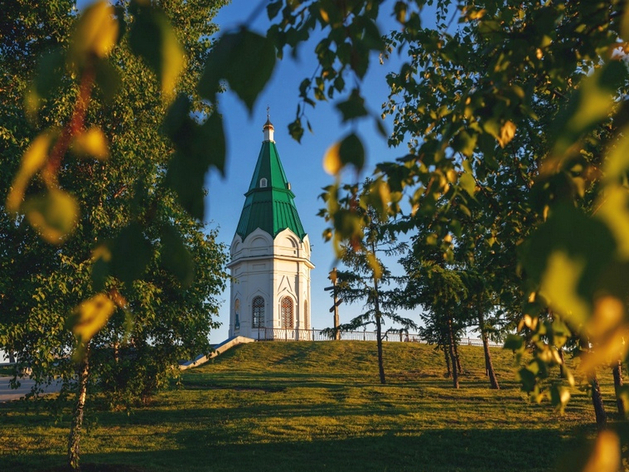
{"x":6,"y":370}
{"x":316,"y":406}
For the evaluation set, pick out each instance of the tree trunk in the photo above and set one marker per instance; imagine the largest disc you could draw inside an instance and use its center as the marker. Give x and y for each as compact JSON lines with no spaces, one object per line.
{"x":493,"y":379}
{"x":562,"y":366}
{"x":489,"y":366}
{"x":77,"y":418}
{"x":455,"y":346}
{"x":597,"y":401}
{"x":445,"y":354}
{"x":379,"y":341}
{"x":618,"y":383}
{"x":453,"y":356}
{"x":378,"y":322}
{"x":11,"y":357}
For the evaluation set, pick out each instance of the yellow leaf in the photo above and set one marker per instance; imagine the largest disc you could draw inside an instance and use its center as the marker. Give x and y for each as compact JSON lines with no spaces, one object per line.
{"x":617,"y":159}
{"x":118,"y":299}
{"x":606,"y":454}
{"x":507,"y":132}
{"x":91,"y":143}
{"x":324,"y":15}
{"x":91,"y":315}
{"x":96,"y":31}
{"x":531,"y":321}
{"x":33,"y":159}
{"x":101,"y":252}
{"x":375,"y":265}
{"x":608,"y":349}
{"x":332,"y":160}
{"x":594,"y":104}
{"x":54,"y":215}
{"x":624,"y":24}
{"x":609,"y":313}
{"x":559,"y":287}
{"x":32,"y":100}
{"x":379,"y":198}
{"x":564,"y":396}
{"x":614,"y":211}
{"x":173,"y":62}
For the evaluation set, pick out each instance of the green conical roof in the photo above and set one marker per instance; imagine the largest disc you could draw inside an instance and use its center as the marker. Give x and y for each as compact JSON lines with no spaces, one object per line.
{"x":269,"y":203}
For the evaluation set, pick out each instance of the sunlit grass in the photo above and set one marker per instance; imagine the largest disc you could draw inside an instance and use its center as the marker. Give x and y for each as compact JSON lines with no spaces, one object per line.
{"x":6,"y":370}
{"x":317,"y":406}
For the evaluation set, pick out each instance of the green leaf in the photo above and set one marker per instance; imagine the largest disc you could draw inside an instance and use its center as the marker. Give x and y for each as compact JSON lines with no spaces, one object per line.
{"x":567,"y":257}
{"x":54,"y":214}
{"x":400,"y":11}
{"x":380,"y":127}
{"x":130,"y":254}
{"x":198,"y":148}
{"x":211,"y":142}
{"x":514,"y":342}
{"x":559,"y":396}
{"x":108,"y":80}
{"x":527,"y":378}
{"x":348,"y":151}
{"x":590,"y":104}
{"x":186,"y":177}
{"x":353,"y":107}
{"x":178,"y":125}
{"x":101,"y":257}
{"x":153,"y":39}
{"x":245,"y":59}
{"x":378,"y":197}
{"x":467,"y":182}
{"x":296,"y":130}
{"x":175,"y":256}
{"x":273,"y":8}
{"x":360,"y":57}
{"x":464,"y":143}
{"x":51,"y":69}
{"x":352,"y":151}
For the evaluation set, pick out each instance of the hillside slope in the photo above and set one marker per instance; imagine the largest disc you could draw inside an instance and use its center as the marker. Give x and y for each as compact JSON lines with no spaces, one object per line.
{"x":317,"y":406}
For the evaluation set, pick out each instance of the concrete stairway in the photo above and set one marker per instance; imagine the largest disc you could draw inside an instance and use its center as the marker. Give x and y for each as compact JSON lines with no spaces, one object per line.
{"x":219,"y":349}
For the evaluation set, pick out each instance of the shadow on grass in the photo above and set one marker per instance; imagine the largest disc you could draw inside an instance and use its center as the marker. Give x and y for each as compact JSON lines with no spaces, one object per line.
{"x":441,"y":450}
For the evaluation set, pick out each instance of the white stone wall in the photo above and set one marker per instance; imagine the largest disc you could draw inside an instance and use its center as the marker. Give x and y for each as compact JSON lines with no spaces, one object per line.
{"x":271,"y":269}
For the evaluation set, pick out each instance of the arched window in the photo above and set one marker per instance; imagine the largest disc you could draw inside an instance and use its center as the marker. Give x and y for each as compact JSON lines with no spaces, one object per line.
{"x":306,"y":317}
{"x":258,"y":312}
{"x":263,"y":182}
{"x":286,"y":315}
{"x":237,"y":311}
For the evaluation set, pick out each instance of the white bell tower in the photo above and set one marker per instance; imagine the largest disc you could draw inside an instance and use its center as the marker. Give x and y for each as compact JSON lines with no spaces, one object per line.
{"x":270,"y":257}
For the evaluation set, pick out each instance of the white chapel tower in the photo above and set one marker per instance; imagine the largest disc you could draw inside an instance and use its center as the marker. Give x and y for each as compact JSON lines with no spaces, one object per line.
{"x":270,"y":257}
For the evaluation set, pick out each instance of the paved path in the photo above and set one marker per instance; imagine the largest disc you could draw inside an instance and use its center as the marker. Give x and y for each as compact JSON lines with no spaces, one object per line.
{"x":7,"y":393}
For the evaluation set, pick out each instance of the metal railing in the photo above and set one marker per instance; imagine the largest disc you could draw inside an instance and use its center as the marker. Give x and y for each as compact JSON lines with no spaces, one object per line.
{"x":281,"y":334}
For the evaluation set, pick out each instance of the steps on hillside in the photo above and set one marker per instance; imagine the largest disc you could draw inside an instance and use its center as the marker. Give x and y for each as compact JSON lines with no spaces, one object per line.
{"x":218,"y":349}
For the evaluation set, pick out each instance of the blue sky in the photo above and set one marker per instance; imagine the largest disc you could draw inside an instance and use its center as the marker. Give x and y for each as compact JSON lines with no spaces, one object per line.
{"x":302,"y":162}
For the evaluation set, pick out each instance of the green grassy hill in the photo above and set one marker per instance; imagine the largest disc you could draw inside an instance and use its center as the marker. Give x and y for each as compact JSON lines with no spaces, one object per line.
{"x":318,"y":406}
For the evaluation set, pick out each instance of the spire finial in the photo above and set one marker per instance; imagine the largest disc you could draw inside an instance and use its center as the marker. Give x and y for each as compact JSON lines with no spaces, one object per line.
{"x":268,"y":129}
